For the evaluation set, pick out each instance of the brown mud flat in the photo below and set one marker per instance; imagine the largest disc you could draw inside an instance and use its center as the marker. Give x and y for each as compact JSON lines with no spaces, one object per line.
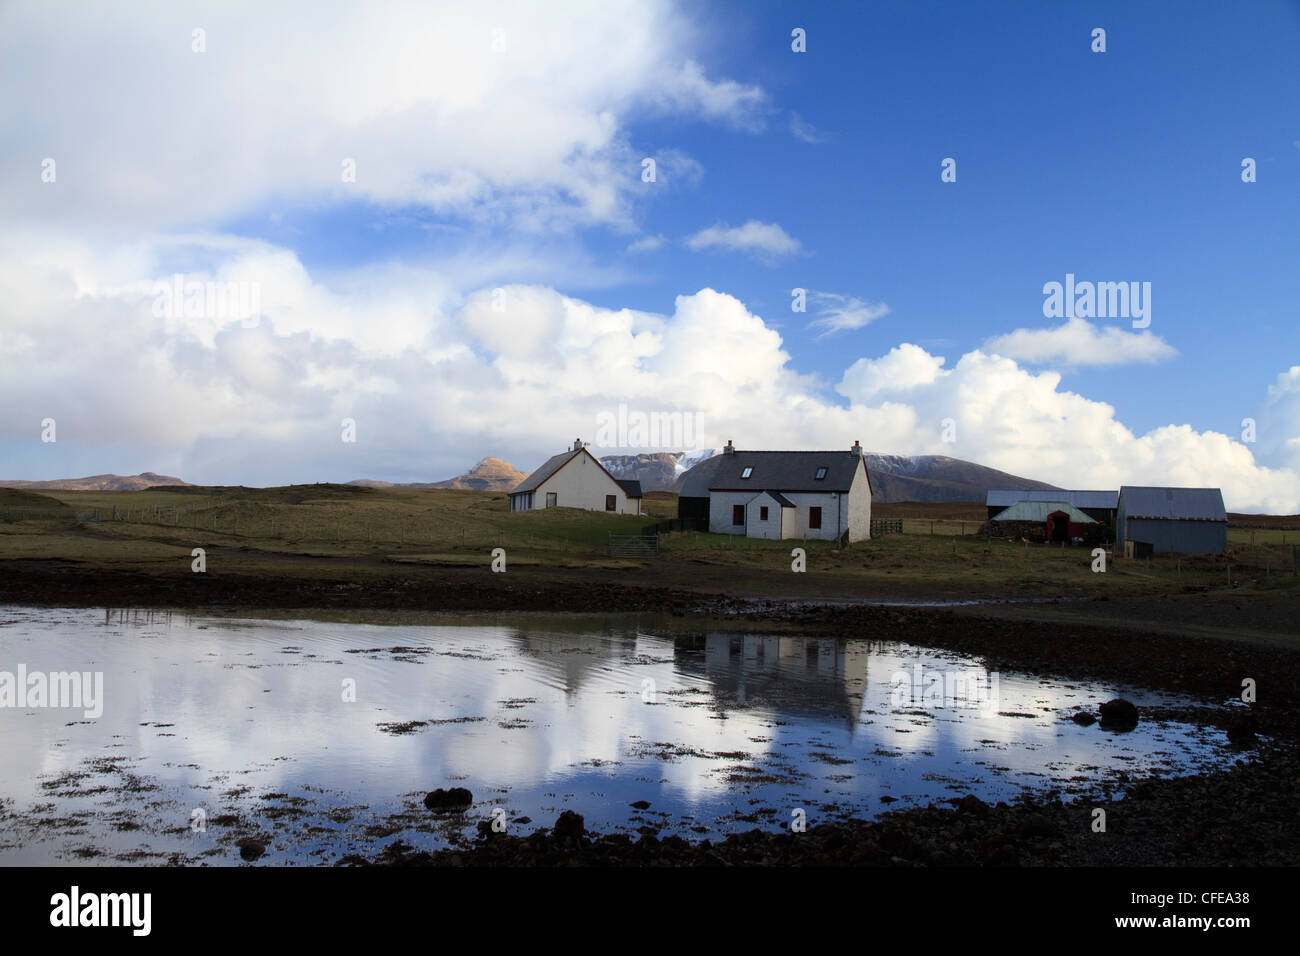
{"x":64,"y":584}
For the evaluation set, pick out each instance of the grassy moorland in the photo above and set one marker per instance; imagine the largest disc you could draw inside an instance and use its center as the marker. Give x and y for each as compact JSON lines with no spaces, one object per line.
{"x":427,"y":537}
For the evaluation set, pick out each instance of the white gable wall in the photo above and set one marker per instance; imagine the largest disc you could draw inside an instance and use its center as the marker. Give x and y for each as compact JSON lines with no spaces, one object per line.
{"x":755,"y":526}
{"x":582,"y":483}
{"x":859,"y":506}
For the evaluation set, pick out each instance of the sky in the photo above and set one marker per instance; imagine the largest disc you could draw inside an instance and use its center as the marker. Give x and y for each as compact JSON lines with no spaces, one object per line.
{"x":446,"y":241}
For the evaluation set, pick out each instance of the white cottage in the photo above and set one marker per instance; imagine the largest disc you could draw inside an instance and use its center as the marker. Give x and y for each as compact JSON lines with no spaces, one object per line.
{"x":576,"y":479}
{"x":790,"y":494}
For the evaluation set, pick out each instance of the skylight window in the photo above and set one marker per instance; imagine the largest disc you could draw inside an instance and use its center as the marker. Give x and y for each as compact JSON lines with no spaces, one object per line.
{"x":821,"y":473}
{"x":749,"y":470}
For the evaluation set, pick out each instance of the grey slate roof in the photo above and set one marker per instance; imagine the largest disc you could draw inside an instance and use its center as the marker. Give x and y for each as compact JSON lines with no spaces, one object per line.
{"x":1039,"y":510}
{"x":1080,"y":499}
{"x":631,"y":487}
{"x":1181,"y":504}
{"x":779,"y":498}
{"x":549,"y":467}
{"x":695,"y":483}
{"x":783,"y":471}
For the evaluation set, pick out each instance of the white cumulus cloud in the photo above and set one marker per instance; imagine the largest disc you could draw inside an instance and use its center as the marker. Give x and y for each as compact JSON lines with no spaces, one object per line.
{"x":437,"y":377}
{"x":1079,"y":342}
{"x":767,"y":240}
{"x":499,"y":111}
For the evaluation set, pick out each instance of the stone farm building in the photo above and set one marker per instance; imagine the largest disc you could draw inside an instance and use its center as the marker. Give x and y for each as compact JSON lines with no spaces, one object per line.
{"x":780,"y":494}
{"x":576,"y":479}
{"x":1183,"y":520}
{"x":1097,"y":505}
{"x":1060,"y":520}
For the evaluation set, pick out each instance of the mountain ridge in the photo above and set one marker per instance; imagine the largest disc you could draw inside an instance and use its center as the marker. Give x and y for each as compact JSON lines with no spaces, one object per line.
{"x":894,"y":478}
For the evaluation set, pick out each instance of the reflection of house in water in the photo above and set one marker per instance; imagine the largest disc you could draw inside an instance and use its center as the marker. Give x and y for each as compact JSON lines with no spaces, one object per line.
{"x":799,"y":676}
{"x":572,"y":659}
{"x":803,"y":676}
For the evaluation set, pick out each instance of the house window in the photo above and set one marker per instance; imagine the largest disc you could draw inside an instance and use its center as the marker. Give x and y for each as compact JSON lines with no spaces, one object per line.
{"x":738,"y":514}
{"x":762,"y":514}
{"x":551,"y":499}
{"x":749,"y":470}
{"x":821,"y":473}
{"x":814,"y":517}
{"x":611,"y":502}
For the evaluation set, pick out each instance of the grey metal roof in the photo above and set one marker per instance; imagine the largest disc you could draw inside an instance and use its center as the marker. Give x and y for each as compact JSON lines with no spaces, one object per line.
{"x":549,"y":467}
{"x":784,"y":470}
{"x":1039,"y":510}
{"x":1080,"y":499}
{"x":1181,"y":504}
{"x":631,"y":486}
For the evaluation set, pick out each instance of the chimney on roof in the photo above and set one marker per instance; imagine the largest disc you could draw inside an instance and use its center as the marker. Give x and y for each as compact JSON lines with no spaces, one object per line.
{"x":728,"y":450}
{"x":856,"y":450}
{"x":577,"y":444}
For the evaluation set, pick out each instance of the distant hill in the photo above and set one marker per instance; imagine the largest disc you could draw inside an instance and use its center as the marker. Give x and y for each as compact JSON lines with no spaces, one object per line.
{"x":939,"y":478}
{"x":934,"y":478}
{"x":146,"y":479}
{"x":923,"y":478}
{"x":490,"y":474}
{"x":657,"y":471}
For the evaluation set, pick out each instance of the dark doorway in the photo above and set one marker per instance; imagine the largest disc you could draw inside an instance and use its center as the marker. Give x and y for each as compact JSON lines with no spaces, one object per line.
{"x":1060,"y":527}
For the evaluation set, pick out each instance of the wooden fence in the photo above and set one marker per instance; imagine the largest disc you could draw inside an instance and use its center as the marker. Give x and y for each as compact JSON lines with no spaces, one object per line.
{"x":883,"y":526}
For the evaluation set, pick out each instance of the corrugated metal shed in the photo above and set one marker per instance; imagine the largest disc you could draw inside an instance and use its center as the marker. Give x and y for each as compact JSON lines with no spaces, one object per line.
{"x":1039,"y":510}
{"x":1080,"y":499}
{"x":1183,"y":520}
{"x":1182,"y":504}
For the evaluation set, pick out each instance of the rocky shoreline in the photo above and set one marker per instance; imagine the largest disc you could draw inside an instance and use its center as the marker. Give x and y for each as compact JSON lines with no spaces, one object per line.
{"x":1243,"y":817}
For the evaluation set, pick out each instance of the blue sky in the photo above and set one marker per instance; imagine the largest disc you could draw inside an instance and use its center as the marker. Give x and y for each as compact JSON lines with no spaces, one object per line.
{"x":1115,"y":166}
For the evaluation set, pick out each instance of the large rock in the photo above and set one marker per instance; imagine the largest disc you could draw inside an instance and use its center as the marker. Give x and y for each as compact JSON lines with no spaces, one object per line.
{"x":456,"y":798}
{"x":570,"y":825}
{"x":1118,"y":714}
{"x":1242,"y":729}
{"x":973,"y":805}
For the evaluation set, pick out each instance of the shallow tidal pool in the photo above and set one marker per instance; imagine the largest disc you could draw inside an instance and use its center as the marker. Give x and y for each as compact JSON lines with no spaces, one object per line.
{"x":320,"y":739}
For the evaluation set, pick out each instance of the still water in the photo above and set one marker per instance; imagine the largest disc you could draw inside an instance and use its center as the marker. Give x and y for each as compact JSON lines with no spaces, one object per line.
{"x":322,"y":738}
